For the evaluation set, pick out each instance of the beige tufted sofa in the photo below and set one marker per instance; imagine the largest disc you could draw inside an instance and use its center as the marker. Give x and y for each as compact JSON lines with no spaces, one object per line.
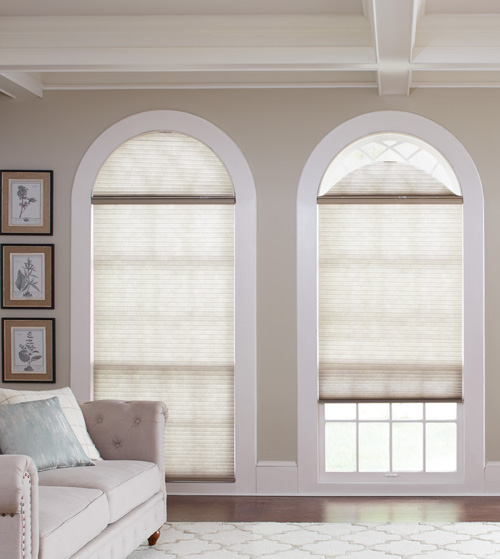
{"x":95,"y":512}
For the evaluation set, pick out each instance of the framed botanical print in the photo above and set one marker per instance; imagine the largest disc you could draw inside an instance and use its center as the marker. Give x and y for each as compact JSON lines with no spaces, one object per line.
{"x":27,"y":276}
{"x":28,"y":346}
{"x":26,"y":202}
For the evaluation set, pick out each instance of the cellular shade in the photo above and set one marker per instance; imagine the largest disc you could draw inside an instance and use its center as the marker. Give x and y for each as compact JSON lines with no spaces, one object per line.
{"x":164,"y":315}
{"x":163,"y":163}
{"x":390,"y":302}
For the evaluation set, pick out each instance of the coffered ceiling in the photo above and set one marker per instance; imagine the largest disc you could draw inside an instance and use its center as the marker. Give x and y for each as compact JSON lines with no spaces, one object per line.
{"x":392,"y":46}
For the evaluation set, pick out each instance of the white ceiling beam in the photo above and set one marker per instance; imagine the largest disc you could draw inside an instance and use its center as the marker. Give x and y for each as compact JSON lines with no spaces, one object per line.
{"x":416,"y":20}
{"x":169,"y":43}
{"x":16,"y":84}
{"x":392,"y":32}
{"x":27,"y":82}
{"x":187,"y":59}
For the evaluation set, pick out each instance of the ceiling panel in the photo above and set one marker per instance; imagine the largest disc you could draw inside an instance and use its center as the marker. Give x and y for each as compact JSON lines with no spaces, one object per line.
{"x":207,"y":80}
{"x":462,"y":6}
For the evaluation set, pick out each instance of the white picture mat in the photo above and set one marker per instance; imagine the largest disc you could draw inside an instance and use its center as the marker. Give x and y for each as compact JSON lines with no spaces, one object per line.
{"x":32,"y":215}
{"x":21,"y":351}
{"x":18,"y":263}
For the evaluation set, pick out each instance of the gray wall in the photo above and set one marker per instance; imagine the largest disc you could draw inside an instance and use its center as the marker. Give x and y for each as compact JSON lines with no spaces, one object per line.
{"x":276,"y":131}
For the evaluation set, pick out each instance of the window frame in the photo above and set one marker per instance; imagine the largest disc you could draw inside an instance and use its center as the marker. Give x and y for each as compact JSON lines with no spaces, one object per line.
{"x":309,"y":413}
{"x":401,"y":477}
{"x":81,"y":359}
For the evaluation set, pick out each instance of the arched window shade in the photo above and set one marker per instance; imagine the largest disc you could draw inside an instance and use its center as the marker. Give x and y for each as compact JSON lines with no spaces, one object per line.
{"x":165,"y":164}
{"x":164,"y":294}
{"x":390,"y":274}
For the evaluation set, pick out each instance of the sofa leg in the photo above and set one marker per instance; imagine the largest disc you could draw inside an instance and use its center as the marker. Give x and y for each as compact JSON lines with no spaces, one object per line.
{"x":154,"y":538}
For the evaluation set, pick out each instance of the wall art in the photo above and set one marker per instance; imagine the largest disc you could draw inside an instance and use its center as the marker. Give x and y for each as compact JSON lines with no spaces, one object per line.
{"x":27,"y":276}
{"x":28,"y":350}
{"x":26,"y":202}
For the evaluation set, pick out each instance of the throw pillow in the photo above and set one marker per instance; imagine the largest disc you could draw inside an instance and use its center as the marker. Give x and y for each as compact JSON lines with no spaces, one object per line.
{"x":69,"y":406}
{"x":40,"y":430}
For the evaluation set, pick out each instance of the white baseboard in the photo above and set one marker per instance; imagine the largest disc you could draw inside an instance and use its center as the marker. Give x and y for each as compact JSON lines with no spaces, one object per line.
{"x":492,"y":478}
{"x":277,"y":478}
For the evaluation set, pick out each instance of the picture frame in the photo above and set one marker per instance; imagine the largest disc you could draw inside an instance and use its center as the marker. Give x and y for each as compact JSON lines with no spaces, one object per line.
{"x":28,"y":346}
{"x":27,"y":273}
{"x":26,"y":202}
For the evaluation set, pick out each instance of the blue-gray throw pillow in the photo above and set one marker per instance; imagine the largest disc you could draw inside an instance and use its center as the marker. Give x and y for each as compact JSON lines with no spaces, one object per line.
{"x":39,"y":429}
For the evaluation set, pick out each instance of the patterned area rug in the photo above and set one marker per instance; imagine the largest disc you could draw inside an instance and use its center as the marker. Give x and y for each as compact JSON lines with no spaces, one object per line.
{"x":269,"y":540}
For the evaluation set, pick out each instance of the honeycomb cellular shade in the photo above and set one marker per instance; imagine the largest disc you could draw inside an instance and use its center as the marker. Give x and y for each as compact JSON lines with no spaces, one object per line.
{"x":163,"y":163}
{"x":164,"y":301}
{"x":390,"y":281}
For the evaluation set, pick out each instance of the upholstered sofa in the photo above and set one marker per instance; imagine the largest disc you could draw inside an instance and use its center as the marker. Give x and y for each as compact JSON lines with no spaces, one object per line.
{"x":103,"y":511}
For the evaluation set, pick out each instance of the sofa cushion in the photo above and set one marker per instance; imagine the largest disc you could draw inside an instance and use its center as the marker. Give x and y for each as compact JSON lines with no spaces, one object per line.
{"x":69,"y":406}
{"x":40,"y":430}
{"x":70,"y":517}
{"x":126,"y":483}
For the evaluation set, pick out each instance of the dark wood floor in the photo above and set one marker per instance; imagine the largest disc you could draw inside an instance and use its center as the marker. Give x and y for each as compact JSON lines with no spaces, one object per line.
{"x":332,"y":509}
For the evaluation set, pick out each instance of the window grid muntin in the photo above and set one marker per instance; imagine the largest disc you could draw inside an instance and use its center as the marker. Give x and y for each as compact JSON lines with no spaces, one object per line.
{"x":342,"y":165}
{"x":390,"y":473}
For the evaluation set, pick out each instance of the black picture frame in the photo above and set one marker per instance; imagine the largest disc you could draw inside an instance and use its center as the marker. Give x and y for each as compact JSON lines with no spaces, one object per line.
{"x":27,"y":273}
{"x":28,"y":346}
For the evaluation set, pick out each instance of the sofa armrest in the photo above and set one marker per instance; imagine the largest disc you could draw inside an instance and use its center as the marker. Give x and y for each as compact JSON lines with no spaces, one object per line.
{"x":127,"y":430}
{"x":18,"y":507}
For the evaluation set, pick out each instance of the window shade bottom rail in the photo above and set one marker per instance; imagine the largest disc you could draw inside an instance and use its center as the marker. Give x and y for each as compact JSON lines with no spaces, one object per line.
{"x":353,"y":199}
{"x":389,"y":400}
{"x":117,"y":200}
{"x":199,"y":480}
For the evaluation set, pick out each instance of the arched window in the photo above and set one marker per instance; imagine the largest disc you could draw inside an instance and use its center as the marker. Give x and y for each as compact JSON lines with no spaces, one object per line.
{"x":390,"y":308}
{"x":390,"y":344}
{"x":167,"y":282}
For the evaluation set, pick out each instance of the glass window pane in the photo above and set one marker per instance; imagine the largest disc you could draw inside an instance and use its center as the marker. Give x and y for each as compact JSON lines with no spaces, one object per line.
{"x":340,"y":411}
{"x":374,"y":447}
{"x":407,"y":412}
{"x":340,"y":447}
{"x":441,"y":410}
{"x":441,"y":447}
{"x":407,"y":447}
{"x":373,"y":411}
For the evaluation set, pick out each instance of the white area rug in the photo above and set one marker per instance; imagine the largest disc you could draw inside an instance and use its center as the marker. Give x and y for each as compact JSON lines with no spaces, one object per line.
{"x":270,"y":540}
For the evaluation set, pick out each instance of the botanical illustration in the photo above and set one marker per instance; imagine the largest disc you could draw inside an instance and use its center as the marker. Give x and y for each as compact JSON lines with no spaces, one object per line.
{"x":26,"y":202}
{"x":28,"y":352}
{"x":27,"y":276}
{"x":28,"y":348}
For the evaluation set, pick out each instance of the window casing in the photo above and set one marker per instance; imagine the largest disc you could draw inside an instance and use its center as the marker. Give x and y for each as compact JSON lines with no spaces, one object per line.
{"x":245,"y":280}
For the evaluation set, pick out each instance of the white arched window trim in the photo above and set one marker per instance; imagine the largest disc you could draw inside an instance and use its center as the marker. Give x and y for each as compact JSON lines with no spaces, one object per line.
{"x":307,"y":330}
{"x":245,"y":276}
